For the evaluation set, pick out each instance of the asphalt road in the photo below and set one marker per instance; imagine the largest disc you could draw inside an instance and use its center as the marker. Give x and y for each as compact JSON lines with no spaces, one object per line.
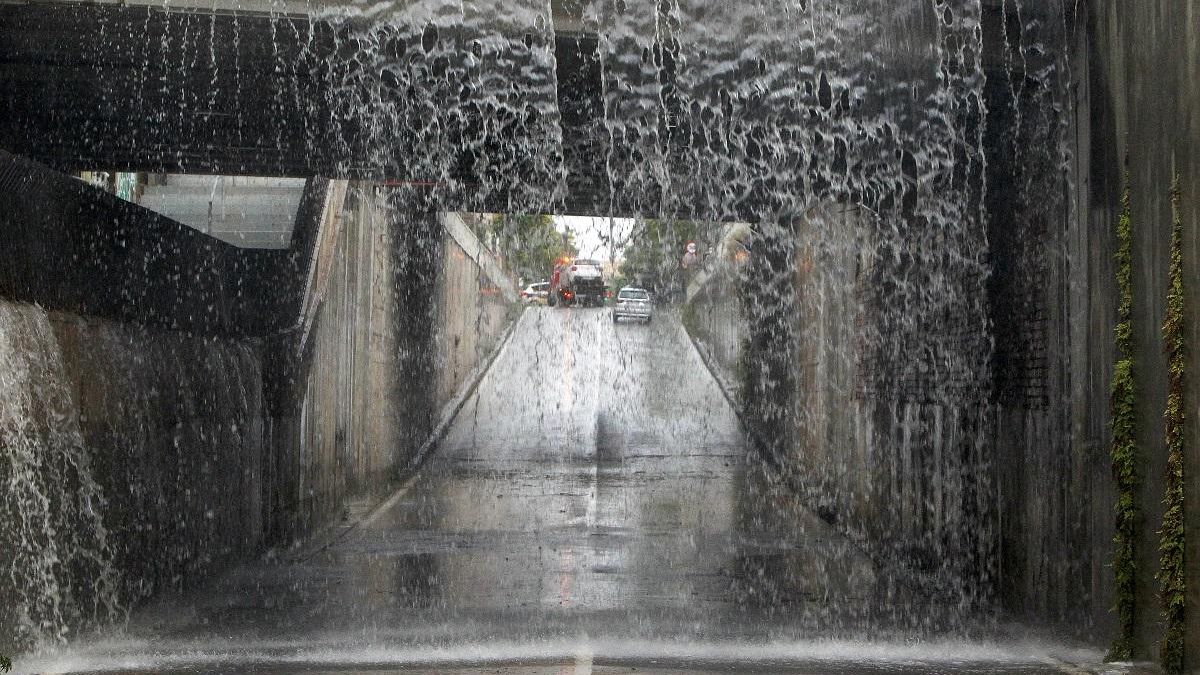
{"x":593,"y":508}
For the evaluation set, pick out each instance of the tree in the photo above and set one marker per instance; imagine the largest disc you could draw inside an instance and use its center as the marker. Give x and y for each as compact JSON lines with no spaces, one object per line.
{"x":530,"y":243}
{"x":652,"y":256}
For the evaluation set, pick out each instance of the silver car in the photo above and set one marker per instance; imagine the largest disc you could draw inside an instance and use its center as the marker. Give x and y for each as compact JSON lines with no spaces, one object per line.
{"x":633,"y":303}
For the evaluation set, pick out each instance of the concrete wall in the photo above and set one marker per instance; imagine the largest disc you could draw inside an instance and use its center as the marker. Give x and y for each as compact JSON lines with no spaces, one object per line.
{"x":1141,"y":114}
{"x":398,"y":296}
{"x":476,"y":301}
{"x":132,"y":458}
{"x":138,"y":455}
{"x":1109,"y":88}
{"x":1051,"y":307}
{"x":897,"y":468}
{"x":332,"y":429}
{"x":166,"y":453}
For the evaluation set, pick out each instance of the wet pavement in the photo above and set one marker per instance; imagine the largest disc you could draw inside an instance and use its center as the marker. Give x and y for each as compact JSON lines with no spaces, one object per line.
{"x":593,"y":508}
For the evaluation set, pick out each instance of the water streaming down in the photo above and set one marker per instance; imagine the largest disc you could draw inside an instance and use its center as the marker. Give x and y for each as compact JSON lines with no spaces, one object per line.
{"x":58,"y":565}
{"x":106,"y":425}
{"x":758,"y":112}
{"x":744,"y":111}
{"x":775,"y":114}
{"x":848,"y":134}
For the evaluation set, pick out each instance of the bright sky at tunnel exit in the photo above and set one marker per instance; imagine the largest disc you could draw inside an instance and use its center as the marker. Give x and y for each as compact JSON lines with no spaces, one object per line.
{"x":593,"y":237}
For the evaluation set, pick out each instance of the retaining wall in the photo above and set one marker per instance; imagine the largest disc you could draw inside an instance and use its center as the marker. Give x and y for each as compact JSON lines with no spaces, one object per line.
{"x":1112,"y":87}
{"x":131,"y":460}
{"x":1144,"y":106}
{"x":402,"y":315}
{"x":148,"y":457}
{"x":895,"y":467}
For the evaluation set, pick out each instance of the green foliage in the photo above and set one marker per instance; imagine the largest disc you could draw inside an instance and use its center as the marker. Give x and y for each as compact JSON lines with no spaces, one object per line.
{"x":530,"y":244}
{"x":651,"y":258}
{"x":1124,"y":263}
{"x":689,"y":317}
{"x":1171,"y":575}
{"x":1124,"y":463}
{"x":1124,"y":448}
{"x":5,"y":663}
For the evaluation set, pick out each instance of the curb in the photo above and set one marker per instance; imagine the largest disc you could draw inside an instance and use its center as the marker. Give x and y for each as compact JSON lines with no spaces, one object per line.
{"x":455,"y":405}
{"x":730,"y":397}
{"x":412,"y":469}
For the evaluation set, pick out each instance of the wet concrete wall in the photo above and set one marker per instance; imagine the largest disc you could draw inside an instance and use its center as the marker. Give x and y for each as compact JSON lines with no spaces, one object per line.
{"x":1143,"y":117}
{"x":1110,"y":89}
{"x":150,"y":456}
{"x":174,"y":424}
{"x":332,"y":399}
{"x":133,"y":403}
{"x":896,"y":468}
{"x":476,"y":303}
{"x":133,"y":460}
{"x":400,"y":311}
{"x":1052,"y":310}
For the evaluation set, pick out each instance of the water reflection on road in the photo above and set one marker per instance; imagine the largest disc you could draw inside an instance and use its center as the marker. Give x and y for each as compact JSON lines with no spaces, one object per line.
{"x":593,"y":495}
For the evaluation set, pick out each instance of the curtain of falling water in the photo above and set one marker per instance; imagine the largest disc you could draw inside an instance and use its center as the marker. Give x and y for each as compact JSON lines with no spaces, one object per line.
{"x":762,"y":111}
{"x":55,"y":552}
{"x":756,"y":111}
{"x":129,"y":463}
{"x":459,"y":96}
{"x":769,"y":112}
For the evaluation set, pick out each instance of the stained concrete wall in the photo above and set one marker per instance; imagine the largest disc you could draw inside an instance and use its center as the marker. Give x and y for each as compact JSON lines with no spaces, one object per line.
{"x":1138,"y":67}
{"x":476,"y":302}
{"x":206,"y":446}
{"x":132,"y":457}
{"x":402,"y":307}
{"x":893,"y":468}
{"x":333,"y":429}
{"x":1079,"y":95}
{"x":175,"y":427}
{"x":1051,"y":305}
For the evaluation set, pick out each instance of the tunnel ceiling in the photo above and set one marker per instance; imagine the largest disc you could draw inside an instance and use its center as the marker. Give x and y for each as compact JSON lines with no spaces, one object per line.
{"x":148,"y":89}
{"x":492,"y":111}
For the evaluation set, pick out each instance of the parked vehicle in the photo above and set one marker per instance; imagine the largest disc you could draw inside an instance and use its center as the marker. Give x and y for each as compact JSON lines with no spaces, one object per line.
{"x":536,"y":294}
{"x":633,"y":303}
{"x":579,"y":282}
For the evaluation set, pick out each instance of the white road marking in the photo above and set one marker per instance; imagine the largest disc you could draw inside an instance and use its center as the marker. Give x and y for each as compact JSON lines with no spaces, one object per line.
{"x":583,"y":659}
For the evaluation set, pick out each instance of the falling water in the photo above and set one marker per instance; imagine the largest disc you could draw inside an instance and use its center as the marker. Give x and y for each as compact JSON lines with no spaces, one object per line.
{"x":783,"y":114}
{"x":106,"y":426}
{"x":57,"y":558}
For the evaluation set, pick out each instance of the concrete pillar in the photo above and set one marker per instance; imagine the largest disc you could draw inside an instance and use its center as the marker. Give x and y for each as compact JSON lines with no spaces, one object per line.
{"x":768,"y":380}
{"x":416,"y":252}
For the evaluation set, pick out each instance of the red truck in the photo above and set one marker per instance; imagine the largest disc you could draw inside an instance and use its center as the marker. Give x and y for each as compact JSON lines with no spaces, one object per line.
{"x":578,"y":281}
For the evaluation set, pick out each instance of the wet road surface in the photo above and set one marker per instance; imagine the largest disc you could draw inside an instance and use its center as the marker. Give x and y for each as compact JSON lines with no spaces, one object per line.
{"x":593,"y":508}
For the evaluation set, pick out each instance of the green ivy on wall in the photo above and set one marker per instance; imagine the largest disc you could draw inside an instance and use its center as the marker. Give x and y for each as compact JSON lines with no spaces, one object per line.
{"x":1171,"y":537}
{"x":1124,"y":446}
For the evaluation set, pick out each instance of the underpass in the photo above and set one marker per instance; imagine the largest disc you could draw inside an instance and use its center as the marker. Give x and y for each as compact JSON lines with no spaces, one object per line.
{"x":949,"y":341}
{"x":594,"y":497}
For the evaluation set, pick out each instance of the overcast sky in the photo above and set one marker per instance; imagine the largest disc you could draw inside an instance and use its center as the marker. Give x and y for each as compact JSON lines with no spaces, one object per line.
{"x":591,"y":234}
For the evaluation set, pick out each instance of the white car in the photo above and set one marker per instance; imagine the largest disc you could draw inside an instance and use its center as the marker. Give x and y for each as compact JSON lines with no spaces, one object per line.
{"x":633,"y":303}
{"x":536,"y":294}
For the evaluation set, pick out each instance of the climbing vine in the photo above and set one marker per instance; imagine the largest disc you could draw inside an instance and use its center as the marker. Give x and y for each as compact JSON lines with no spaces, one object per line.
{"x":1171,"y":537}
{"x":1124,"y":446}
